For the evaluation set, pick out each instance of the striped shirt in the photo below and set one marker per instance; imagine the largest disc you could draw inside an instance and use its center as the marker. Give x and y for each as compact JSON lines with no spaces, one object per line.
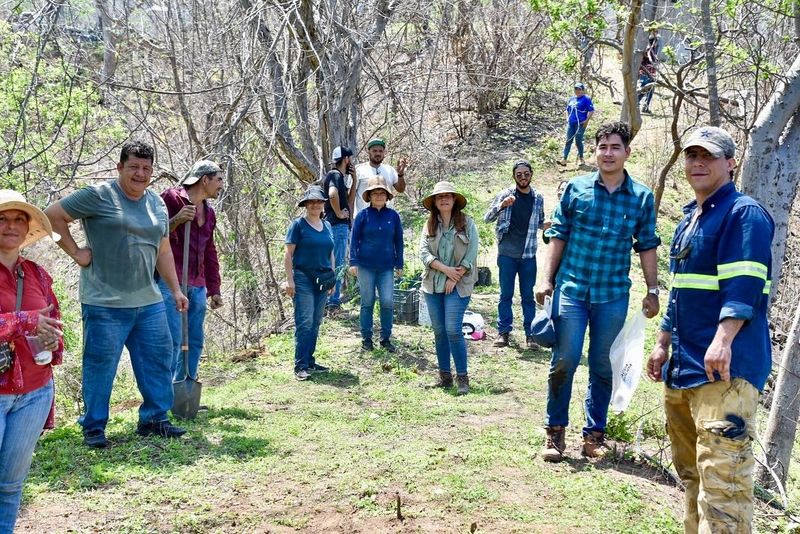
{"x":599,"y":229}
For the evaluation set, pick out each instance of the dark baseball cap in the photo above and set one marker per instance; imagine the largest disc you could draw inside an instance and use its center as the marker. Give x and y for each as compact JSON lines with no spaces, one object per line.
{"x":339,"y":153}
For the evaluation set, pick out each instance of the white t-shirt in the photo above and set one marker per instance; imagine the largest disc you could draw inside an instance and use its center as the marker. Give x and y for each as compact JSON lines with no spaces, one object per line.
{"x":365,"y":171}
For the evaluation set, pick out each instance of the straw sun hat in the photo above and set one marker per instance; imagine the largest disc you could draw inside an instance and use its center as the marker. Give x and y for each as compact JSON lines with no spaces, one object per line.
{"x":444,"y":187}
{"x":373,"y":184}
{"x":38,"y":224}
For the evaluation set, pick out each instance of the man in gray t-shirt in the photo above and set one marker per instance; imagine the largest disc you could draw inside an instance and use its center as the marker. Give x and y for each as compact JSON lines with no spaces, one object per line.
{"x":126,"y":226}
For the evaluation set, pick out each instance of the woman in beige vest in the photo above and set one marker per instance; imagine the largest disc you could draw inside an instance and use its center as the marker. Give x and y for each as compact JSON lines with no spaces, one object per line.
{"x":449,"y":249}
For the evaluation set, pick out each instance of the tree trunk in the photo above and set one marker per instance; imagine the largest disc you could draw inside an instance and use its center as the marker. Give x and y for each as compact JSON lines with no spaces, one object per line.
{"x":109,"y":41}
{"x":771,"y":176}
{"x":710,"y":41}
{"x":782,"y":424}
{"x":630,"y":102}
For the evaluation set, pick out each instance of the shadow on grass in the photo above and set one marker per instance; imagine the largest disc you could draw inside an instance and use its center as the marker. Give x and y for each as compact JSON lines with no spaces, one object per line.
{"x":339,"y":379}
{"x":612,"y":461}
{"x":63,"y":462}
{"x":539,"y":355}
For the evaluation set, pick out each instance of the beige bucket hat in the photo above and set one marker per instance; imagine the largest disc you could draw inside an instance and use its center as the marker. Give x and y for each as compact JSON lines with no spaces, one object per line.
{"x":376,"y":183}
{"x":38,"y":223}
{"x":444,"y":187}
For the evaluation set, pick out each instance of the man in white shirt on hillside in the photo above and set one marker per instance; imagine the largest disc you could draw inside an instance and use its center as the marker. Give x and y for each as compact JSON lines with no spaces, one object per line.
{"x":394,"y":178}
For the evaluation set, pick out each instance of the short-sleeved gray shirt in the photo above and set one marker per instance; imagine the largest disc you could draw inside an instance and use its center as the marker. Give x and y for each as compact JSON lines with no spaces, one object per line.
{"x":124,"y":236}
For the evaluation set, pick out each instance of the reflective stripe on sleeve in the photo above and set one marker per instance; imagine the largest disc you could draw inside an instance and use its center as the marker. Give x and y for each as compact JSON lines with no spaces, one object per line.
{"x":708,"y":282}
{"x":742,"y":268}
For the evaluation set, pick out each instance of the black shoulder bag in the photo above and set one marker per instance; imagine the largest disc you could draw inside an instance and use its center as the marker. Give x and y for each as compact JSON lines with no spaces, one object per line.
{"x":6,"y":352}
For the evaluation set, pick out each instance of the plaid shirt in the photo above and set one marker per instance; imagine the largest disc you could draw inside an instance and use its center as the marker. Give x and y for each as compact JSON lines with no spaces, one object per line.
{"x":599,"y":229}
{"x":503,"y":217}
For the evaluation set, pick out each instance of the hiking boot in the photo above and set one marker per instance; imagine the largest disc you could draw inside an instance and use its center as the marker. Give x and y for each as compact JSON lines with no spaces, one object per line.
{"x":562,"y":162}
{"x":501,"y":340}
{"x":302,"y":374}
{"x":463,"y":384}
{"x":164,"y":429}
{"x":96,"y":439}
{"x":581,"y":161}
{"x":530,"y":344}
{"x":367,"y":345}
{"x":594,"y":445}
{"x":445,"y":380}
{"x":388,"y":345}
{"x":553,"y":450}
{"x":317,"y":368}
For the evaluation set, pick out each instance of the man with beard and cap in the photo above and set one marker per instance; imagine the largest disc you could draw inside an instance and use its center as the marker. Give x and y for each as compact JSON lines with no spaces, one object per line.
{"x":189,"y":203}
{"x":394,"y":178}
{"x":519,"y":212}
{"x":716,"y":325}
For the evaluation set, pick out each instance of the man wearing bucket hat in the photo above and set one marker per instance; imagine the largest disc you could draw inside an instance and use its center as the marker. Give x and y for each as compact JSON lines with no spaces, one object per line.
{"x":448,"y":250}
{"x":600,"y":217}
{"x":393,"y":178}
{"x":338,"y":208}
{"x":30,"y":344}
{"x":376,"y":252}
{"x":519,"y":212}
{"x":579,"y":110}
{"x":716,"y":325}
{"x":127,"y":227}
{"x":188,"y":203}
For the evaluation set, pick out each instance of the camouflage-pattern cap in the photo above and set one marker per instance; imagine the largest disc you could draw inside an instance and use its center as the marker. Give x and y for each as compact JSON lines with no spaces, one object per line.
{"x":198,"y":170}
{"x":716,"y":140}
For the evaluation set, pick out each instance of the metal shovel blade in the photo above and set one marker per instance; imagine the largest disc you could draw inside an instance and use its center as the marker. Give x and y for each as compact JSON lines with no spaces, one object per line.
{"x":186,"y":402}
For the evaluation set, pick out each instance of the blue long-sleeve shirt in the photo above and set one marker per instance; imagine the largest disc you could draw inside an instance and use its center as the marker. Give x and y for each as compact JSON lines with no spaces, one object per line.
{"x":377,"y":239}
{"x":721,"y":268}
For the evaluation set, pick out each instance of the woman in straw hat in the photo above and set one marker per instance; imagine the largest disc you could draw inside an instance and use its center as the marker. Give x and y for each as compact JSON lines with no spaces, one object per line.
{"x":449,"y":249}
{"x":30,"y":344}
{"x":376,"y":248}
{"x":307,"y":260}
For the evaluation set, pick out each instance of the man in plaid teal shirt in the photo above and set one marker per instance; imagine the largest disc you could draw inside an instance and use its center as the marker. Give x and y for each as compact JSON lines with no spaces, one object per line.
{"x":519,"y":212}
{"x":599,"y":218}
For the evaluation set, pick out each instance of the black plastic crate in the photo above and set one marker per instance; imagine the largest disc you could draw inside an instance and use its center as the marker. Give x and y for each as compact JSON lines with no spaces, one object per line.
{"x":406,"y":305}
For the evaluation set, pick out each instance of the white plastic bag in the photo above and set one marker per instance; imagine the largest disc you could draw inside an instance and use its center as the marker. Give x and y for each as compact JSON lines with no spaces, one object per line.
{"x":627,"y":353}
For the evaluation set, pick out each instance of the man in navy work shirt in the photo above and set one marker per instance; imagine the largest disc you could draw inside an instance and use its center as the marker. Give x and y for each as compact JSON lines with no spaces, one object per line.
{"x":519,"y":212}
{"x":599,"y":218}
{"x":338,"y":209}
{"x":716,"y":325}
{"x":579,"y":110}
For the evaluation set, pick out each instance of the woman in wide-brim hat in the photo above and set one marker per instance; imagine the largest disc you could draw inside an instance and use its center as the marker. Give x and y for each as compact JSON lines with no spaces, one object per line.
{"x":309,"y":253}
{"x":376,"y":253}
{"x":26,"y":380}
{"x":449,"y":250}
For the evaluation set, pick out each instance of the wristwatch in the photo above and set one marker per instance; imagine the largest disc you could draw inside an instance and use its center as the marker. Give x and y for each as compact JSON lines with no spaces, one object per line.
{"x":652,"y":291}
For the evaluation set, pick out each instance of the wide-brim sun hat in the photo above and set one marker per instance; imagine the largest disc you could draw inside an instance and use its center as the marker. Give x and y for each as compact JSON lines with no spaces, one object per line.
{"x":314,"y":192}
{"x":373,"y":184}
{"x":38,"y":223}
{"x":444,"y":187}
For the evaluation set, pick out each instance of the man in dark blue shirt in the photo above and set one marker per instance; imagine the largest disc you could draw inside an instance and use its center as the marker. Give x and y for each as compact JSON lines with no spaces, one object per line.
{"x":579,"y":110}
{"x":716,"y":325}
{"x":337,"y":211}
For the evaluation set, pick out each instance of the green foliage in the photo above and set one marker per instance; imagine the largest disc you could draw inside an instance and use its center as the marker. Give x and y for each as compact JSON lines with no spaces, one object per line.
{"x":620,"y":427}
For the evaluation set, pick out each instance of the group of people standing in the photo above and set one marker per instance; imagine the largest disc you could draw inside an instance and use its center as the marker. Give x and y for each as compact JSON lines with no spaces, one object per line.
{"x":130,"y":295}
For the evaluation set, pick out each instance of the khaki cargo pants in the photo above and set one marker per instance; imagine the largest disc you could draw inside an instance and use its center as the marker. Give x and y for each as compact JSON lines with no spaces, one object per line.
{"x":711,"y":428}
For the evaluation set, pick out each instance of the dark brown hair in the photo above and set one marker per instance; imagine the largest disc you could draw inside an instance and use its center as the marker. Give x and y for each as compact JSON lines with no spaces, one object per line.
{"x":458,"y":218}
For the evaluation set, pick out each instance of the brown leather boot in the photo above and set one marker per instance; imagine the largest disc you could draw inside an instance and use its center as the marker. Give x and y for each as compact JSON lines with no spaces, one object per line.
{"x":553,"y":450}
{"x":445,"y":381}
{"x":501,"y":340}
{"x":463,"y":384}
{"x":594,"y":445}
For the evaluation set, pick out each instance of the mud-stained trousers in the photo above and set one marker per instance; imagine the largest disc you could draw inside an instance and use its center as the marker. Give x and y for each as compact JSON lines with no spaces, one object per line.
{"x":711,"y":428}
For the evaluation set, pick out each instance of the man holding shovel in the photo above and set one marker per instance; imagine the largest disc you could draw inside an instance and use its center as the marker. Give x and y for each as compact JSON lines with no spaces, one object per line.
{"x":190,"y":214}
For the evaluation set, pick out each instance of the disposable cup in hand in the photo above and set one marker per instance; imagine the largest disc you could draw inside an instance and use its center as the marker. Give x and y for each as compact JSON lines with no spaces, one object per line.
{"x":41,"y":355}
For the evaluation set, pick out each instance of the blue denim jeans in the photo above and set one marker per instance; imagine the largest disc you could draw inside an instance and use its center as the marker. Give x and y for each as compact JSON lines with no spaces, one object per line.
{"x":341,"y":234}
{"x":644,"y":79}
{"x":370,"y":280}
{"x":447,"y":317}
{"x":309,"y":307}
{"x":574,"y":132}
{"x":145,"y":333}
{"x":22,"y":419}
{"x":509,"y":269}
{"x":605,"y":321}
{"x":196,"y":317}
